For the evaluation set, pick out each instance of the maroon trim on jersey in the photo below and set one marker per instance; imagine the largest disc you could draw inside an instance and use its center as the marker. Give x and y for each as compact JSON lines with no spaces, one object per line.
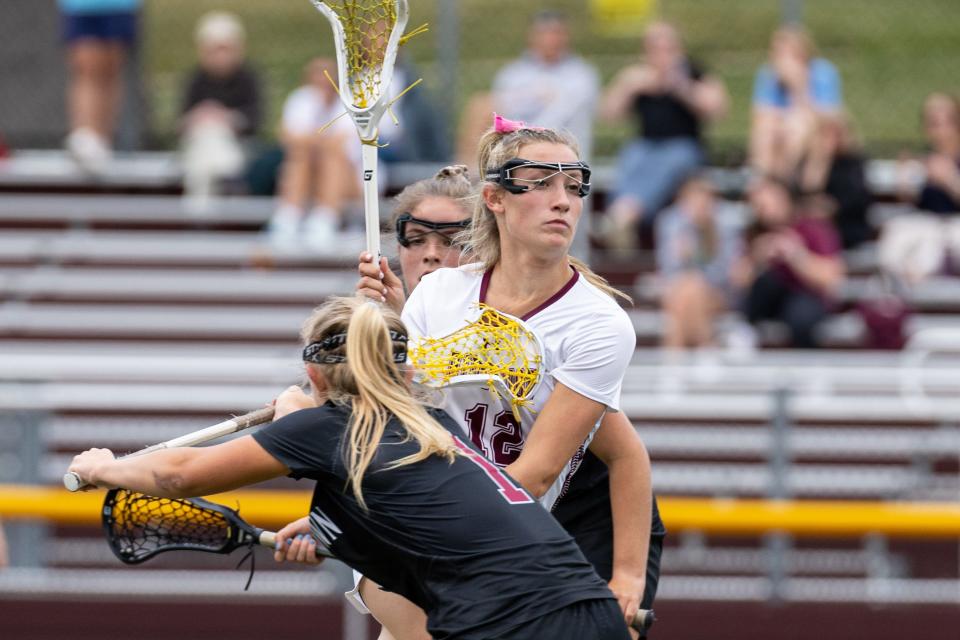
{"x":485,"y":284}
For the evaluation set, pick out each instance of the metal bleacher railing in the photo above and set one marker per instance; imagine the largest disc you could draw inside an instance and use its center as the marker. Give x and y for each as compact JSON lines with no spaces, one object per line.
{"x":124,"y":321}
{"x":754,"y":494}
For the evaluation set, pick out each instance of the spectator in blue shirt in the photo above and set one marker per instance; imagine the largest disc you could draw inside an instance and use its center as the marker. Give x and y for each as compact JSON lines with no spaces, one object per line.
{"x":98,"y":35}
{"x":792,"y":95}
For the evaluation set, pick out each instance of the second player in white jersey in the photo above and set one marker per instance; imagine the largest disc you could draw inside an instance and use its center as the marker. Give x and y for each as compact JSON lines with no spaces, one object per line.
{"x":587,"y":342}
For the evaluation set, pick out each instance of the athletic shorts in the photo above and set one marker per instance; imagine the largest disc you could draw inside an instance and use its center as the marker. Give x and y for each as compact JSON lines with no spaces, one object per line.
{"x":598,"y":619}
{"x":353,"y":596}
{"x":107,"y":27}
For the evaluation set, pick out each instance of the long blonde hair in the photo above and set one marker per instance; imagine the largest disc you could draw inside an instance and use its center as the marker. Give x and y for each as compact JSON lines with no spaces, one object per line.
{"x":482,"y":239}
{"x":371,"y":384}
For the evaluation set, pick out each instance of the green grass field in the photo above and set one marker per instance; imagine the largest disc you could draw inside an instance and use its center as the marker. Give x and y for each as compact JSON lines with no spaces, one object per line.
{"x":890,"y":53}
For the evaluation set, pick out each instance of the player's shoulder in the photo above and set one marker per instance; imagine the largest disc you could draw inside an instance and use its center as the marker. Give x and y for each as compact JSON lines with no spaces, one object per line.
{"x":326,"y":417}
{"x":593,"y":309}
{"x":456,"y":278}
{"x":593,"y":299}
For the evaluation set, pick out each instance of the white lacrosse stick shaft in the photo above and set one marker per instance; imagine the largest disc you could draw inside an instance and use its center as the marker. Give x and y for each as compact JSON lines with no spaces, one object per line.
{"x":367,"y":117}
{"x":371,"y":200}
{"x":72,"y":482}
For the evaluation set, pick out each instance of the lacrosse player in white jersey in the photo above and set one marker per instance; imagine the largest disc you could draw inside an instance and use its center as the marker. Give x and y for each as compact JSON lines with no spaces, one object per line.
{"x":534,"y":181}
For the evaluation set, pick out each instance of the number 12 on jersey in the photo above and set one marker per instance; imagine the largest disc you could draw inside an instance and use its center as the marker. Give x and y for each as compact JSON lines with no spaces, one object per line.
{"x":504,"y":444}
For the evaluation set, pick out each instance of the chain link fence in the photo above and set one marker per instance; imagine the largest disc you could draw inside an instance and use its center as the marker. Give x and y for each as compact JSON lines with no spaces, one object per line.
{"x":890,"y":53}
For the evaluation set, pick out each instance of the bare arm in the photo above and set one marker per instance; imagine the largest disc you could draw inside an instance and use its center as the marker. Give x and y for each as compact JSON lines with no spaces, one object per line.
{"x":182,"y":472}
{"x":707,"y":97}
{"x":631,"y":500}
{"x":633,"y":80}
{"x":570,"y":417}
{"x":824,"y":273}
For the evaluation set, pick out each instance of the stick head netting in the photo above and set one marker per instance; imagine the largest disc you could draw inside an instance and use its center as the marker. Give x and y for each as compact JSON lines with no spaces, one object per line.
{"x":139,"y":526}
{"x":367,"y":34}
{"x":495,"y":349}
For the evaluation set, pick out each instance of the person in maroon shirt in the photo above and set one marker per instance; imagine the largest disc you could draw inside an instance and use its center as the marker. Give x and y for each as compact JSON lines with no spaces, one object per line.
{"x":792,"y":267}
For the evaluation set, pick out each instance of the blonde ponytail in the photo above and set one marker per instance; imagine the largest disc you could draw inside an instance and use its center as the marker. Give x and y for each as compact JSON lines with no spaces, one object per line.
{"x":372,"y":383}
{"x":597,"y":280}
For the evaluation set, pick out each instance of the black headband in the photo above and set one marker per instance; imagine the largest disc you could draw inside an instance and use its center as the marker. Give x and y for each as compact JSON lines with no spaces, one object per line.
{"x":504,"y":174}
{"x":434,"y":227}
{"x":313,"y":352}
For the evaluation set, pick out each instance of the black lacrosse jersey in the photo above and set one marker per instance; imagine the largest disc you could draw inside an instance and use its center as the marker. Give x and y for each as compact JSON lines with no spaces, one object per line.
{"x":461,"y":540}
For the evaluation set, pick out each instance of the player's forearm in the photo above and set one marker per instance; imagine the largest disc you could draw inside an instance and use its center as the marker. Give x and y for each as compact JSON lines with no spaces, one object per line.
{"x":536,"y":480}
{"x":631,"y":503}
{"x":161,"y":473}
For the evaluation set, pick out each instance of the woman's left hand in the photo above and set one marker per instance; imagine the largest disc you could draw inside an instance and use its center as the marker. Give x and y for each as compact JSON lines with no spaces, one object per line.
{"x":628,"y":589}
{"x":86,"y":464}
{"x":292,"y":399}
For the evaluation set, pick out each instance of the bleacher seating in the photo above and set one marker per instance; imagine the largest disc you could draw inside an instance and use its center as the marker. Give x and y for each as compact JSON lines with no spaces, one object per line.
{"x":126,"y":320}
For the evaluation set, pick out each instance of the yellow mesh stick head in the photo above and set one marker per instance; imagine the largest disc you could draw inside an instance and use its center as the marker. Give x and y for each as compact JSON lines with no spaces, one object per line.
{"x":495,"y":348}
{"x":367,"y":34}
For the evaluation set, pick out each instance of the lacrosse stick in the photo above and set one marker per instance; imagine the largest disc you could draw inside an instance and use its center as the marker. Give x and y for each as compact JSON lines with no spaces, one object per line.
{"x":139,"y":527}
{"x":367,"y":35}
{"x":496,"y":349}
{"x":73,"y":482}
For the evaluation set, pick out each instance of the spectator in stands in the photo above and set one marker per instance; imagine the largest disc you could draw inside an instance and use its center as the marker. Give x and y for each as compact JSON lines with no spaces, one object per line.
{"x":921,"y":244}
{"x":98,"y":34}
{"x":321,"y":167}
{"x":792,"y":92}
{"x":548,"y":85}
{"x":940,"y":192}
{"x":835,"y":166}
{"x":670,"y":98}
{"x":221,"y":108}
{"x":696,"y":251}
{"x":791,"y":268}
{"x":419,"y":135}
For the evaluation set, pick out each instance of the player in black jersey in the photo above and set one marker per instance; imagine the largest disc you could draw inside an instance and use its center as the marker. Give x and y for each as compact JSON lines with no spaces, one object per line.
{"x":398,"y":496}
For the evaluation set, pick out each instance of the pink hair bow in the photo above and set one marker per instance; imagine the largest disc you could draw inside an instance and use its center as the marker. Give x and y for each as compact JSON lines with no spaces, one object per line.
{"x":505,"y":125}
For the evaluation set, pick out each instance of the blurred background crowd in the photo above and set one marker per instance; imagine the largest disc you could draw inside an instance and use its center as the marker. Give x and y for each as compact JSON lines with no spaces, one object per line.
{"x":749,"y":149}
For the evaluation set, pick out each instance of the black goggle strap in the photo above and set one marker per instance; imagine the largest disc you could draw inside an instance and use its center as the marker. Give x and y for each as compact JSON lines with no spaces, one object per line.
{"x":434,"y":227}
{"x":504,"y":175}
{"x":317,"y":352}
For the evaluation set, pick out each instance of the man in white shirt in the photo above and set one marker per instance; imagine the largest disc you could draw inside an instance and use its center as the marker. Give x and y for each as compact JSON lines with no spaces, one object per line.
{"x":548,"y":86}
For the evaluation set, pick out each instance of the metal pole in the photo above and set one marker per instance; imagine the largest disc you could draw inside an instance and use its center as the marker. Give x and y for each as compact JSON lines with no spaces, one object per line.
{"x":778,"y":544}
{"x":448,"y":56}
{"x":25,"y":540}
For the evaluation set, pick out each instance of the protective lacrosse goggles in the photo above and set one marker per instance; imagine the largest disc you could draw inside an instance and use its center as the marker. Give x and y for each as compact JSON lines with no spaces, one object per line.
{"x":319,"y":352}
{"x":505,"y":178}
{"x":406,"y":239}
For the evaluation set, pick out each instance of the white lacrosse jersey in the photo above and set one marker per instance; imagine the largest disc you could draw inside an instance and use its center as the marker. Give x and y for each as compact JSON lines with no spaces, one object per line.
{"x":587,"y":341}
